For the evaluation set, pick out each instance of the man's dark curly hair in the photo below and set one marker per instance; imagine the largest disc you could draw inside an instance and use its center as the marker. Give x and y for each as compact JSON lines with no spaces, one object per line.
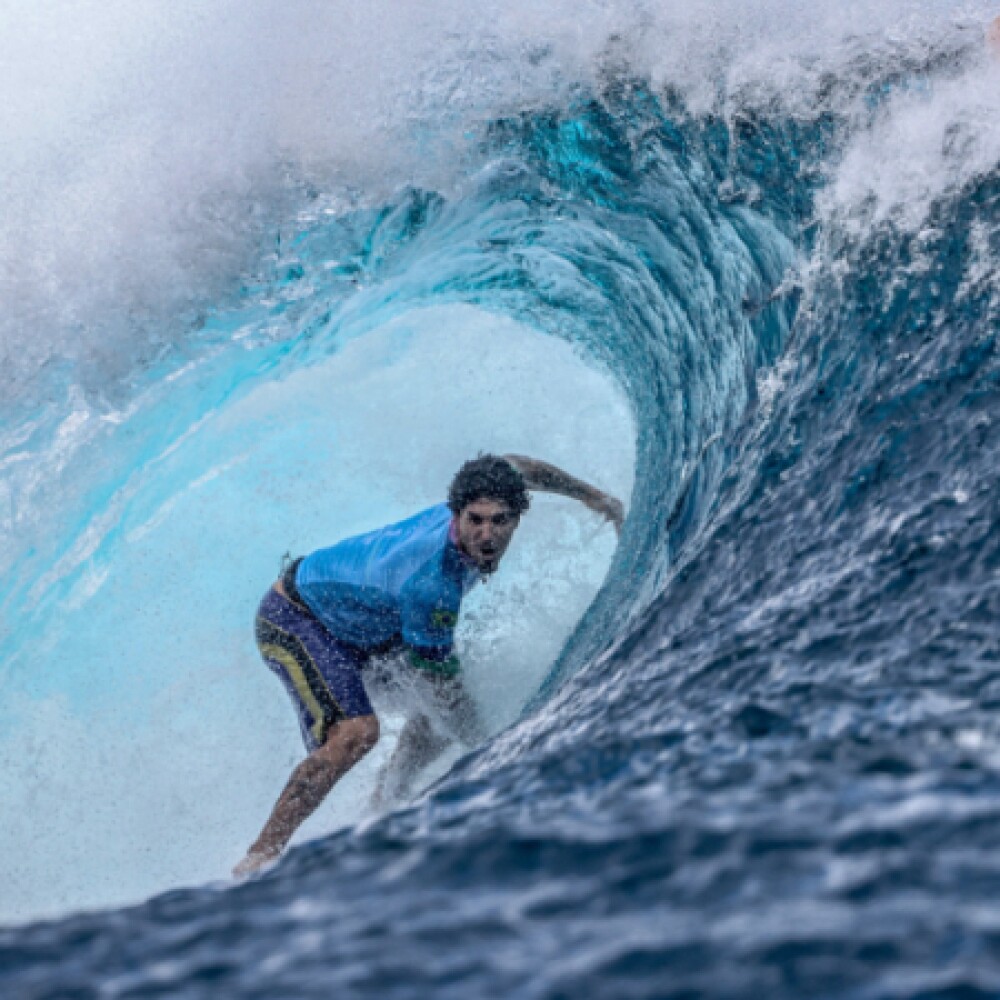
{"x":488,"y":477}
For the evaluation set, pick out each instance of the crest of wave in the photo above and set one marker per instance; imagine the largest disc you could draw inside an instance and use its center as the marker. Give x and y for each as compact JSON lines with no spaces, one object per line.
{"x":152,"y":152}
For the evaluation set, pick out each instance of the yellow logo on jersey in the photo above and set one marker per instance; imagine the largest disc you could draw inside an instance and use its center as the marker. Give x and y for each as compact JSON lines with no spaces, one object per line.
{"x":443,"y":618}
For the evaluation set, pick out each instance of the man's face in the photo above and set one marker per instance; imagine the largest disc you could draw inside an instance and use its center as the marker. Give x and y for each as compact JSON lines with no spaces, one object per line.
{"x":485,"y":528}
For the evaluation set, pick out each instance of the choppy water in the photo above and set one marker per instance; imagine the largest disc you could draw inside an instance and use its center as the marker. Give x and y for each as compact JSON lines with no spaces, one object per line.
{"x":754,"y":288}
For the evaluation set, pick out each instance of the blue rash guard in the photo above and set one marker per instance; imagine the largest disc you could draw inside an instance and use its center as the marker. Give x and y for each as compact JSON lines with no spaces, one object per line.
{"x":402,"y":584}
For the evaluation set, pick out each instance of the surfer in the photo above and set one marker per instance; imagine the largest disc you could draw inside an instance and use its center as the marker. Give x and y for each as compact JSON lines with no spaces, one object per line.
{"x":394,"y":590}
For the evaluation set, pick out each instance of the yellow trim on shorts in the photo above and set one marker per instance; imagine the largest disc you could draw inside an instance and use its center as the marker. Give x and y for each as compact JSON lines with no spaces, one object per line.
{"x":297,"y":674}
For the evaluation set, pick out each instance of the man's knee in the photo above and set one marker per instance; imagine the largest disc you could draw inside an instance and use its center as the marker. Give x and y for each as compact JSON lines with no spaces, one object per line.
{"x":357,"y":736}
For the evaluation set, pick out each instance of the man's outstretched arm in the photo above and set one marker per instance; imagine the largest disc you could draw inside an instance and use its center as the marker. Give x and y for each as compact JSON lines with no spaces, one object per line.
{"x":546,"y":478}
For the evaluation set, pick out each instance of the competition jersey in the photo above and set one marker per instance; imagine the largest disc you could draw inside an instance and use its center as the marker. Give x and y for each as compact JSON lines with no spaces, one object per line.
{"x":403,"y":583}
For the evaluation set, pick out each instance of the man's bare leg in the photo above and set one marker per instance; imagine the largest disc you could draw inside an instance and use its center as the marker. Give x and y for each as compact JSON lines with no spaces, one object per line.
{"x":309,"y":784}
{"x":418,"y":747}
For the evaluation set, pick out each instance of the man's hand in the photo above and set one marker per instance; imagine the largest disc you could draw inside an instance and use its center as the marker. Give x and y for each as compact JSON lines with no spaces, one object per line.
{"x":253,"y":863}
{"x":609,"y":507}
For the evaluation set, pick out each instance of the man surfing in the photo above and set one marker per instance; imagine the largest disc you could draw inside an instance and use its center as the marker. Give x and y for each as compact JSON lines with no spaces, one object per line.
{"x":394,"y":590}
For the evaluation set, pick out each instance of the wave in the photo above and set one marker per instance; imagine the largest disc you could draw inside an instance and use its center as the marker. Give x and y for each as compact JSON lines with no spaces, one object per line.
{"x":762,"y":760}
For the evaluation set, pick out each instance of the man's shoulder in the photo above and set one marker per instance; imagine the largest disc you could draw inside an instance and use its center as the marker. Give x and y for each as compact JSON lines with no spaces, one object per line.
{"x":429,"y":519}
{"x":428,"y":523}
{"x":424,"y":522}
{"x":419,"y":538}
{"x":405,"y":543}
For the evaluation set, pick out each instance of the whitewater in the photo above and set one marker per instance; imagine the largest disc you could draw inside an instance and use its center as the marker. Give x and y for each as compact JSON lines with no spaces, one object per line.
{"x":271,"y":272}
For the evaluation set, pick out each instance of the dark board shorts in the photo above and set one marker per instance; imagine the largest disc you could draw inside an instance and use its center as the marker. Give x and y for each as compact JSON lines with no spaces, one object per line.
{"x":321,"y":674}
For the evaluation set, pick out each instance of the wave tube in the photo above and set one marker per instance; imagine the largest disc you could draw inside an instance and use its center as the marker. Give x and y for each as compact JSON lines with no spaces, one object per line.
{"x":153,"y":699}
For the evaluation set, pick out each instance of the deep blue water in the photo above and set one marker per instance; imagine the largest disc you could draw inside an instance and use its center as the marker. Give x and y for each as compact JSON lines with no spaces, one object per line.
{"x":766,"y":763}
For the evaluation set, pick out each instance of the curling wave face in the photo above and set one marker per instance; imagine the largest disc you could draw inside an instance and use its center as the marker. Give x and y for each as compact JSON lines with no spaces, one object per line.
{"x":764,"y":762}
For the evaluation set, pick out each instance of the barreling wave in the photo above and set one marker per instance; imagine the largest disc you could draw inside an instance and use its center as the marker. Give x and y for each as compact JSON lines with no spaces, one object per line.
{"x":763,"y":763}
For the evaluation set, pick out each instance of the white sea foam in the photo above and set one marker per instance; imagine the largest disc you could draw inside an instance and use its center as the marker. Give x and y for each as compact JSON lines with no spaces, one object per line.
{"x":928,"y":140}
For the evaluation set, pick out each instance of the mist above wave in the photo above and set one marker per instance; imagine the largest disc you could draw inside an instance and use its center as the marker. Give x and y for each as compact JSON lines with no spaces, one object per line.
{"x":154,"y":153}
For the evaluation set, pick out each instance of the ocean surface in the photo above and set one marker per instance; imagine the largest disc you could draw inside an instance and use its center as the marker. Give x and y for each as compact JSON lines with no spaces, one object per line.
{"x":270,"y":273}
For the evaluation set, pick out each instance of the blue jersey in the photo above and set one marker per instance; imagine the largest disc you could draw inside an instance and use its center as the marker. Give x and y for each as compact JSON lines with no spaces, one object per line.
{"x":399,"y":584}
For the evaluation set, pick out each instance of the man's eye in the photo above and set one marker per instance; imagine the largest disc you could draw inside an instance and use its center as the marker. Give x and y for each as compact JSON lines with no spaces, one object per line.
{"x":501,"y":519}
{"x":475,"y":519}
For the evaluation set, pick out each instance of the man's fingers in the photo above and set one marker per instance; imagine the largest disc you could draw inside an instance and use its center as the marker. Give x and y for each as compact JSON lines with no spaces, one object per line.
{"x":615,"y":513}
{"x":253,"y":863}
{"x":610,"y":508}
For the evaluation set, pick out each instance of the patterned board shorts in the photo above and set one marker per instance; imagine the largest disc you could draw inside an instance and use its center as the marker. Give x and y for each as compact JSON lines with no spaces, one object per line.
{"x":321,"y":674}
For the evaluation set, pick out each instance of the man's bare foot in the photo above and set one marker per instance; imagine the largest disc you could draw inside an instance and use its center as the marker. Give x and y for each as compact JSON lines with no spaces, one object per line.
{"x":254,"y":862}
